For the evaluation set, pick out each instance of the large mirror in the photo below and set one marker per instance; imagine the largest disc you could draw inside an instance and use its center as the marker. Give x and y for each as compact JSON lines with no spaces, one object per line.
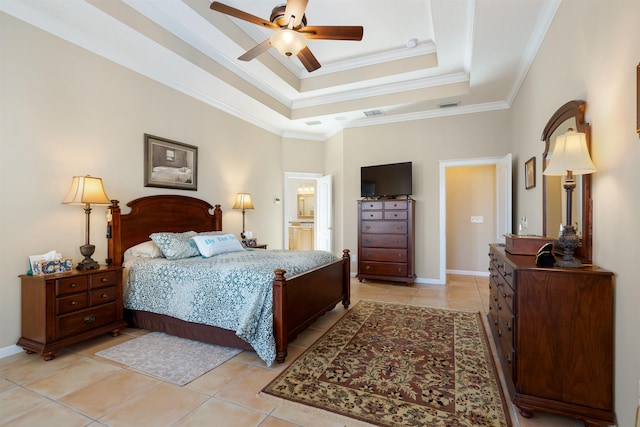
{"x":306,"y":206}
{"x":554,"y":196}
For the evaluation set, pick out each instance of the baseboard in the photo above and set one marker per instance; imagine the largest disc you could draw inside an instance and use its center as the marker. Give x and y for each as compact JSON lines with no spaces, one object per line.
{"x":468,"y":273}
{"x":9,"y":351}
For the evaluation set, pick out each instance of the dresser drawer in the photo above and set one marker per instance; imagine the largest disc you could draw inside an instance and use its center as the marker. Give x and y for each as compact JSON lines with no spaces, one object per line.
{"x":396,"y":204}
{"x":107,"y":278}
{"x":388,"y":255}
{"x":507,"y":320}
{"x":384,"y":241}
{"x":371,"y":215}
{"x":396,"y":227}
{"x":506,"y":292}
{"x":71,"y":285}
{"x":372,"y":205}
{"x":85,"y":320}
{"x":508,"y":353}
{"x":102,"y":295}
{"x":384,"y":269}
{"x":396,"y":215}
{"x":71,"y":303}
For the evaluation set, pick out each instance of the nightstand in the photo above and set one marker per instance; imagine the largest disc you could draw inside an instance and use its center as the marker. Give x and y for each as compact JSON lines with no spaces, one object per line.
{"x":260,"y":246}
{"x":62,"y":309}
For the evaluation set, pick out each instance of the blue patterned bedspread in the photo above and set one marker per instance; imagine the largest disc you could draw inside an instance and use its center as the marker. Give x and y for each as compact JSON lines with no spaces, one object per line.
{"x":232,"y":291}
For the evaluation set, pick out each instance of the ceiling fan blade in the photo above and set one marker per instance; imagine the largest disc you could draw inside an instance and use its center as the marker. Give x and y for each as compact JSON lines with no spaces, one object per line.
{"x":255,"y":51}
{"x":296,"y":9}
{"x":333,"y":33}
{"x":236,"y":13}
{"x":308,"y":60}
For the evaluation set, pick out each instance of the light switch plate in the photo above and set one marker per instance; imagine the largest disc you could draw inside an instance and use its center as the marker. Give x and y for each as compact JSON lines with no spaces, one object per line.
{"x":477,"y":219}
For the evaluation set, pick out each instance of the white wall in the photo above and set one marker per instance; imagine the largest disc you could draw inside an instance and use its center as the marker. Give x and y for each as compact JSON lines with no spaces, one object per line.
{"x":591,"y":53}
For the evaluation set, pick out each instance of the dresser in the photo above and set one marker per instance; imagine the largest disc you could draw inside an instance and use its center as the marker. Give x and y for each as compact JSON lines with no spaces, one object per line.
{"x":553,"y":330}
{"x":386,"y":240}
{"x":63,"y":309}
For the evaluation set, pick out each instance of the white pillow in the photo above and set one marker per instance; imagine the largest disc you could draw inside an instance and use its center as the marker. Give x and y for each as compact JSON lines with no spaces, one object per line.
{"x":219,"y":244}
{"x":146,"y":249}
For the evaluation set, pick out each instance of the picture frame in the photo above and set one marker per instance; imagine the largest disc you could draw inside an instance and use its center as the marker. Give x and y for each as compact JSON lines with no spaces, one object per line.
{"x":530,"y":173}
{"x":170,"y":164}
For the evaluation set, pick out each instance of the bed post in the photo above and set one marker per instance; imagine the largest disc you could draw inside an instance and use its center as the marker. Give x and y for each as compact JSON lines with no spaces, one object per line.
{"x":217,"y":220}
{"x":346,"y":278}
{"x":280,"y":315}
{"x":114,"y":240}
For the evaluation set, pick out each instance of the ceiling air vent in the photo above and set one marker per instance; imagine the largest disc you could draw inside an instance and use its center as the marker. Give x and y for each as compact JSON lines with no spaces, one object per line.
{"x":313,"y":123}
{"x":373,"y":113}
{"x":449,"y":104}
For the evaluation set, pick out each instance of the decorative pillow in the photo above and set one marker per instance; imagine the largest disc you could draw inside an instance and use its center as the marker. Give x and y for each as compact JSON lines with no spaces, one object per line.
{"x":176,"y":245}
{"x":146,"y":249}
{"x":217,"y":244}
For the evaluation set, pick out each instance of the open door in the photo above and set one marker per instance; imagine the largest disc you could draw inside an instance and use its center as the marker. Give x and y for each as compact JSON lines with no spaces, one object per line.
{"x":504,"y":195}
{"x":324,"y":218}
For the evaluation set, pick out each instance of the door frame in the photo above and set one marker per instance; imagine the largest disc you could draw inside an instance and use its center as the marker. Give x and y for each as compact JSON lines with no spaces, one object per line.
{"x":506,"y":209}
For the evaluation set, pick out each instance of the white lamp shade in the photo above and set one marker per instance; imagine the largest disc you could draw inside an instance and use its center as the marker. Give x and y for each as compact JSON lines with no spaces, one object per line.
{"x":570,"y":153}
{"x":87,"y":190}
{"x":243,"y":201}
{"x":288,"y":42}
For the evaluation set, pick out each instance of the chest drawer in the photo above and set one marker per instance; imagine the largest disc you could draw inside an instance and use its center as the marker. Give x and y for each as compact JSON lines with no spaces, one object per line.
{"x":384,"y":268}
{"x":396,"y":215}
{"x":85,"y":320}
{"x":371,"y":215}
{"x":398,"y":227}
{"x":71,"y":285}
{"x":396,"y":204}
{"x":102,"y":295}
{"x":107,"y":278}
{"x":388,"y":255}
{"x":371,"y":205}
{"x":384,"y":241}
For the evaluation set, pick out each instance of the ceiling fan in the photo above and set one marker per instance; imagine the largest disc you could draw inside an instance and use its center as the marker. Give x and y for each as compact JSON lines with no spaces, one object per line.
{"x":289,"y":24}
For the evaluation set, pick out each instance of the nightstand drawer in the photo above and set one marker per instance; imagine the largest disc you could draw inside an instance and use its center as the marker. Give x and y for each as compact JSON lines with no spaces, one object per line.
{"x":71,"y":285}
{"x":108,"y":278}
{"x":71,"y":303}
{"x":85,"y":320}
{"x":102,"y":295}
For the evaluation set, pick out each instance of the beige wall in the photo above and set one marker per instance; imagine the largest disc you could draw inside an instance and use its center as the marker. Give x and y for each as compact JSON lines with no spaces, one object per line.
{"x":591,"y":53}
{"x":471,"y":191}
{"x":425,"y":143}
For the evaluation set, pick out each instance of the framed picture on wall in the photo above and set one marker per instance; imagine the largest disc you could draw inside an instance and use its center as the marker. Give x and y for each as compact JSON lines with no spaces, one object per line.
{"x":530,"y":173}
{"x":170,"y":164}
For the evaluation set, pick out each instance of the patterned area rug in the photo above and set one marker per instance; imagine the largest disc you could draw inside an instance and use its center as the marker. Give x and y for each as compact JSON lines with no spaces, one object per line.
{"x":170,"y":358}
{"x":399,"y":365}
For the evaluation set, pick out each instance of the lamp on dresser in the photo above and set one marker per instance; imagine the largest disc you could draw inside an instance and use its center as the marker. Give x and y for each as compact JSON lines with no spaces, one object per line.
{"x":570,"y":157}
{"x":87,"y":191}
{"x":243,"y":201}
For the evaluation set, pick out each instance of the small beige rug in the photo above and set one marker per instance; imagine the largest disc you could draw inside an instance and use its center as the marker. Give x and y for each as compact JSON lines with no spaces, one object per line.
{"x":170,"y":358}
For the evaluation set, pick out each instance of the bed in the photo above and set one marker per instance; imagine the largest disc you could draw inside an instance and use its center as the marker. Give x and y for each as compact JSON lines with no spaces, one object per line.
{"x":297,"y":300}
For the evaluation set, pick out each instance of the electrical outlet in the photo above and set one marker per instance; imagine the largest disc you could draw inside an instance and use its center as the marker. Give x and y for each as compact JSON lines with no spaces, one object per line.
{"x":477,"y":219}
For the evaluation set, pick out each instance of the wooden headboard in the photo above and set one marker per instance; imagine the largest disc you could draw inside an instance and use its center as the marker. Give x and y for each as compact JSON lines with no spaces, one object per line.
{"x":152,"y":214}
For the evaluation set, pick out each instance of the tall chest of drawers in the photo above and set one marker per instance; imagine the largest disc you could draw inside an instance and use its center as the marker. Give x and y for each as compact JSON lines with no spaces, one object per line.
{"x":553,"y":329}
{"x":59,"y":310}
{"x":386,"y":240}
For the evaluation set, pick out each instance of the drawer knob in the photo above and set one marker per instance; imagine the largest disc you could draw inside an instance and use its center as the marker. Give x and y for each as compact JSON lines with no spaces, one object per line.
{"x":399,"y":269}
{"x":371,"y":215}
{"x":74,"y":302}
{"x":89,"y":319}
{"x":367,"y":227}
{"x":400,"y":256}
{"x":103,"y":280}
{"x":399,"y":227}
{"x":367,"y":267}
{"x":103,"y":296}
{"x":507,"y":273}
{"x":73,"y":285}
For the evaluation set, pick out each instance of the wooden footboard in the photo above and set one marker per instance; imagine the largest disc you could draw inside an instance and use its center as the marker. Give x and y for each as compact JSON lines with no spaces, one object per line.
{"x":301,"y":299}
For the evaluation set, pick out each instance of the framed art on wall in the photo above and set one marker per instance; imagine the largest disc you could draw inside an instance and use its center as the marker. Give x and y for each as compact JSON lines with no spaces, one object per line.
{"x":170,"y":164}
{"x":530,"y":173}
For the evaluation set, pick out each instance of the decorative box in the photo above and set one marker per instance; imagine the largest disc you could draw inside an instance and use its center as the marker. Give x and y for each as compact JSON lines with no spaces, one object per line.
{"x":40,"y":268}
{"x":525,"y":245}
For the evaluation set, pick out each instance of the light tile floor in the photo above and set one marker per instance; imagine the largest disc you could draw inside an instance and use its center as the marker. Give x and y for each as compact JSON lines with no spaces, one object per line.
{"x":78,"y":388}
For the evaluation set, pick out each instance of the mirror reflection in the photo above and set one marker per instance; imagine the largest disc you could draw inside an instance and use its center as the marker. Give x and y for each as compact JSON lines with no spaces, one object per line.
{"x":306,"y":205}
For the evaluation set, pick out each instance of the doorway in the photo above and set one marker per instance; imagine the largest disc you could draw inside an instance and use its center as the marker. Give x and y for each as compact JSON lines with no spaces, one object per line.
{"x":503,"y":201}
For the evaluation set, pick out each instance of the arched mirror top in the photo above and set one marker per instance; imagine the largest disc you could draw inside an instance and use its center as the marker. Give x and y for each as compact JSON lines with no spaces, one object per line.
{"x":570,"y":115}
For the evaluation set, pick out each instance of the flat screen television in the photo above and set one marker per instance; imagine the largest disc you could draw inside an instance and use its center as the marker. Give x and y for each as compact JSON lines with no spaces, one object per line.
{"x":391,"y":180}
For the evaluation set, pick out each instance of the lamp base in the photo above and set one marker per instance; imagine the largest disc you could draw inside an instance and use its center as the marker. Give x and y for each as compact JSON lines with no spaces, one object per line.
{"x":568,"y":241}
{"x":87,"y":263}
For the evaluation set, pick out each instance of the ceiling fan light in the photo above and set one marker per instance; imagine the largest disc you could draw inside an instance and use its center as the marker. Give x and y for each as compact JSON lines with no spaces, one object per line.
{"x":288,"y":42}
